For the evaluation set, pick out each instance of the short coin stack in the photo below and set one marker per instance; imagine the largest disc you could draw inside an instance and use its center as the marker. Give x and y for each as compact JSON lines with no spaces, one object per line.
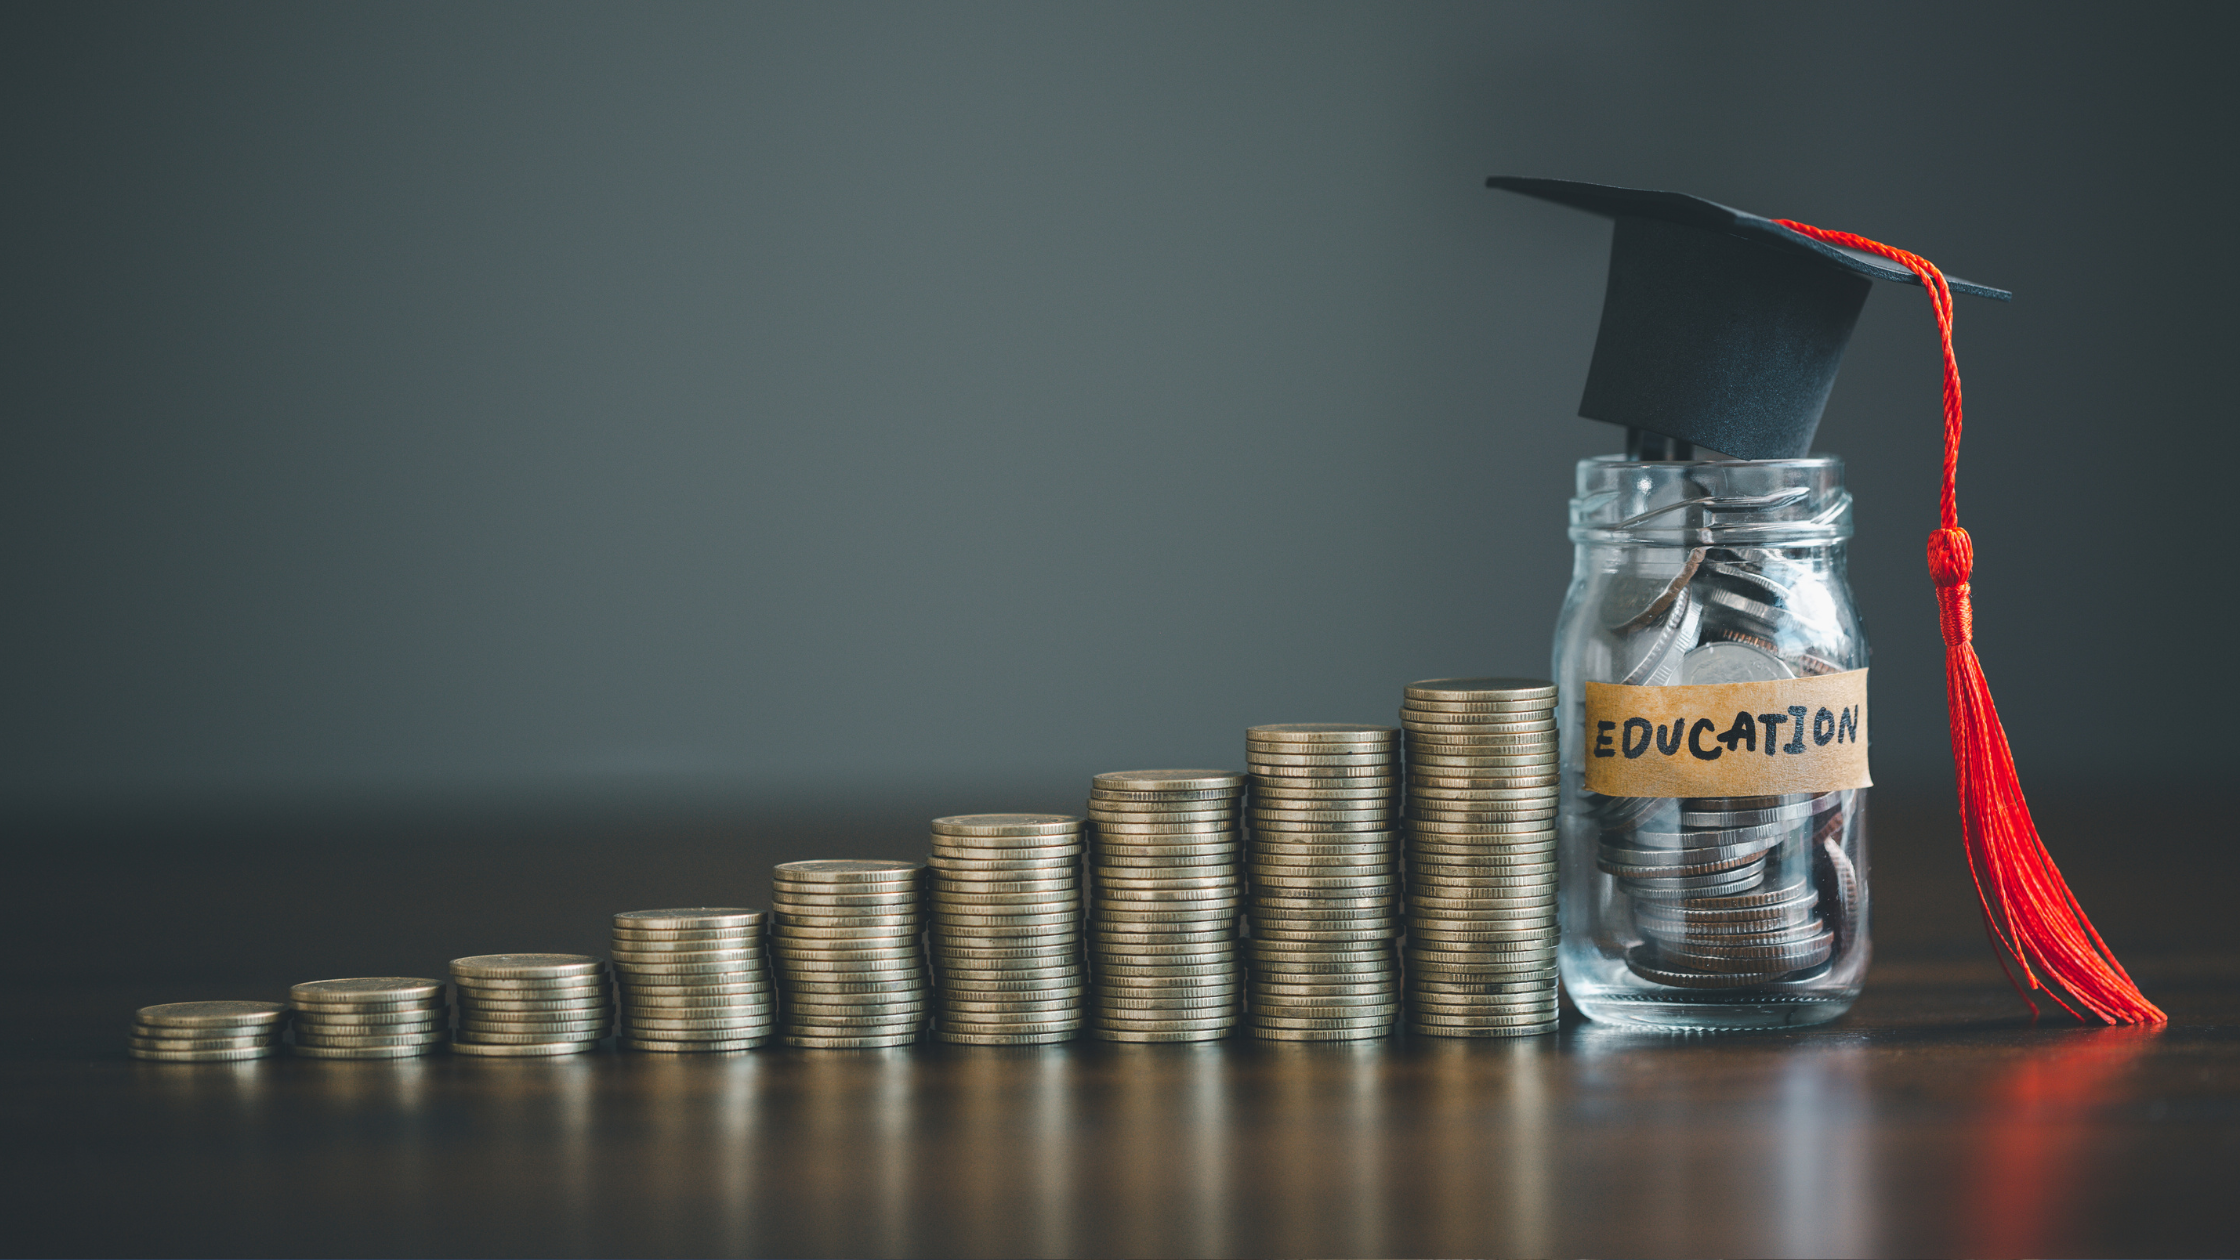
{"x":516,"y":1005}
{"x":206,"y":1032}
{"x":1164,"y":851}
{"x":844,"y":941}
{"x":1324,"y":908}
{"x":693,"y":979}
{"x":369,"y":1017}
{"x":1006,"y":928}
{"x":1482,"y":778}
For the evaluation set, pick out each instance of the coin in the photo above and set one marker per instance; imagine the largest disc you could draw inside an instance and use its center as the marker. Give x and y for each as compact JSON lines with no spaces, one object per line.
{"x":203,"y":1056}
{"x":487,"y":985}
{"x":366,"y":1052}
{"x":1350,"y":764}
{"x":402,"y":1039}
{"x":691,"y":918}
{"x":516,"y":1021}
{"x":1168,"y":781}
{"x":1482,"y":690}
{"x":1380,"y":775}
{"x":1487,"y":735}
{"x":371,"y":1019}
{"x":138,"y":1042}
{"x":714,"y":936}
{"x":406,"y":1009}
{"x":746,"y":1023}
{"x":1006,"y":825}
{"x":640,"y":1025}
{"x":507,"y":1016}
{"x":874,"y":881}
{"x":693,"y":1045}
{"x":674,"y":1036}
{"x":727,"y":946}
{"x":1322,"y":962}
{"x":520,"y":1050}
{"x":1322,"y":732}
{"x":1151,"y":812}
{"x":391,"y":989}
{"x":657,"y":1006}
{"x":212,"y":1014}
{"x":1294,"y":791}
{"x":679,"y":958}
{"x":525,"y":966}
{"x":748,"y":983}
{"x":1643,"y":962}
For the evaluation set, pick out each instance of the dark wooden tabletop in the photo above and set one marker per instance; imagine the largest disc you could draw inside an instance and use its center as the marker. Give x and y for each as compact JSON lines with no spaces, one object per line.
{"x":1935,"y":1119}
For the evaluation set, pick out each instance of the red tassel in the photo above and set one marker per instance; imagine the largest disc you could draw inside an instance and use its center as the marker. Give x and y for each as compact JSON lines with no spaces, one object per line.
{"x":2034,"y":921}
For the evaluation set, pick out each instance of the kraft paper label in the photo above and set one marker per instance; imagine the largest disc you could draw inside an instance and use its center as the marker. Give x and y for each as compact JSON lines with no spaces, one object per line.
{"x":1728,"y":739}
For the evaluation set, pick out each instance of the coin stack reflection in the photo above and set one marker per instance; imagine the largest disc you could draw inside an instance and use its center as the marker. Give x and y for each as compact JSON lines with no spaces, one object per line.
{"x":206,"y":1032}
{"x":1164,"y":852}
{"x":1006,"y":928}
{"x":1324,"y":907}
{"x":844,"y":942}
{"x":1482,"y":788}
{"x":522,"y":1005}
{"x":693,"y":979}
{"x":370,"y":1017}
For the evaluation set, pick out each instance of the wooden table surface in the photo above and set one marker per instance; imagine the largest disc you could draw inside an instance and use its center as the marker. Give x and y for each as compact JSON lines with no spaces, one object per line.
{"x":1935,"y":1119}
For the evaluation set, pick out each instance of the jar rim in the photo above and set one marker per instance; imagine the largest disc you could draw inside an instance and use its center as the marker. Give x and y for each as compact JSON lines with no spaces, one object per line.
{"x":1799,"y":461}
{"x":1711,"y":502}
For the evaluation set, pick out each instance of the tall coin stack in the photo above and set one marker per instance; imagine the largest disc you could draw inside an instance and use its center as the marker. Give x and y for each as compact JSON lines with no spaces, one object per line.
{"x":1007,"y":928}
{"x":206,"y":1032}
{"x":1324,"y":908}
{"x":369,"y":1017}
{"x":1482,"y":785}
{"x":1164,"y":851}
{"x":518,"y":1005}
{"x":693,"y":979}
{"x":844,"y":942}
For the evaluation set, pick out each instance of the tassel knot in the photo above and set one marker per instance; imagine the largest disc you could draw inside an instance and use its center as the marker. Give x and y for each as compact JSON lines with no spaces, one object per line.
{"x":1952,"y":556}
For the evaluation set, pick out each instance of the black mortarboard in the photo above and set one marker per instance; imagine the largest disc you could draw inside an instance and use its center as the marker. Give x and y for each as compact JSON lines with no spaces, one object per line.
{"x":1719,"y":328}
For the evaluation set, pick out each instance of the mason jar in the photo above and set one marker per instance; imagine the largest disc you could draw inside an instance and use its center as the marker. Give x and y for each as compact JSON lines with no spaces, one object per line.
{"x":1713,"y":679}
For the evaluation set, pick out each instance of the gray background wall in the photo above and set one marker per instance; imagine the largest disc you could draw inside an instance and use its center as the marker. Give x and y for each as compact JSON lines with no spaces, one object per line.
{"x":424,"y":399}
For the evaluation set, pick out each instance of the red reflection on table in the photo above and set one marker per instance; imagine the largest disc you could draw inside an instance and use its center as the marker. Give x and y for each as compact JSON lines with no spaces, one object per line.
{"x":2025,"y":1174}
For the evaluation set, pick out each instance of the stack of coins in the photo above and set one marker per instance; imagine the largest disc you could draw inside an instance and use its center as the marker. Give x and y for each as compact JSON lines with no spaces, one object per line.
{"x":1006,"y":928}
{"x":206,"y":1032}
{"x":1165,"y":859}
{"x":844,"y":939}
{"x":1482,"y":788}
{"x":1723,"y":888}
{"x":693,"y":979}
{"x":370,"y":1017}
{"x":514,"y":1005}
{"x":1324,"y":908}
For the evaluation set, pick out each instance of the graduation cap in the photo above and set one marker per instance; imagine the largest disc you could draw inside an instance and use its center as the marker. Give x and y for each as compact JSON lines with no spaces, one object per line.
{"x":1724,"y":330}
{"x":1720,"y":329}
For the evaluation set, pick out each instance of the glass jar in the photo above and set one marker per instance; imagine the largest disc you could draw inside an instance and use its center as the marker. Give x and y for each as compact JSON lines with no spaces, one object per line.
{"x":1691,"y":900}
